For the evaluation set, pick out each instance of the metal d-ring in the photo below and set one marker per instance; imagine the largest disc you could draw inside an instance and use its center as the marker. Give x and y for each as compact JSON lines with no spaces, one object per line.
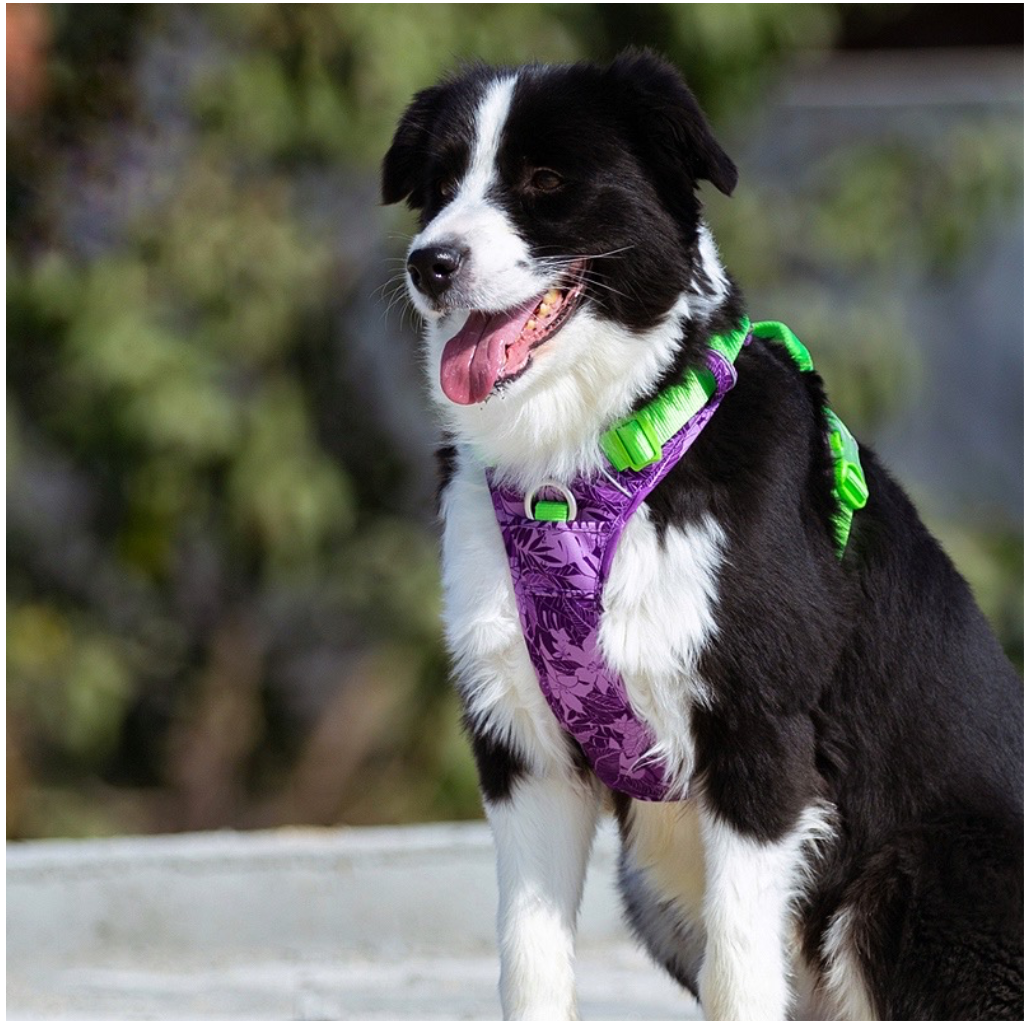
{"x":531,"y":494}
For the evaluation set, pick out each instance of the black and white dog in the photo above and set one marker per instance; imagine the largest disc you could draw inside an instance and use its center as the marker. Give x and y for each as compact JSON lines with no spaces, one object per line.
{"x":851,"y":729}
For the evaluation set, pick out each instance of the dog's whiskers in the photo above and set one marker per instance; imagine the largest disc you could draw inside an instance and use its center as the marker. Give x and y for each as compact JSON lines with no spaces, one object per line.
{"x":573,"y":257}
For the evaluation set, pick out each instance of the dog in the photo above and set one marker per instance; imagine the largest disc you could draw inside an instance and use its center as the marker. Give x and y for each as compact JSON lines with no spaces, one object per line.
{"x":840,"y":737}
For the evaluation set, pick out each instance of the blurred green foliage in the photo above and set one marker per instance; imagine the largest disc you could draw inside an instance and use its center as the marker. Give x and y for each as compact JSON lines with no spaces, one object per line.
{"x":222,"y":585}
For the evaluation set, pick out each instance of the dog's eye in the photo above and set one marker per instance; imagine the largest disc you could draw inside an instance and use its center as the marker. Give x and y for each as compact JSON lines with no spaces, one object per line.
{"x":446,"y":187}
{"x":545,"y":180}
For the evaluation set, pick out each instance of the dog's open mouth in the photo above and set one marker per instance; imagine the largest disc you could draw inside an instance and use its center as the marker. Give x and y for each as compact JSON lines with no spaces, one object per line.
{"x":495,"y":348}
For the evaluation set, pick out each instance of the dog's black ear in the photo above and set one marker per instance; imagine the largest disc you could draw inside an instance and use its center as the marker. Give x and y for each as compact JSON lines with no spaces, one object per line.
{"x":405,"y":161}
{"x":669,"y":119}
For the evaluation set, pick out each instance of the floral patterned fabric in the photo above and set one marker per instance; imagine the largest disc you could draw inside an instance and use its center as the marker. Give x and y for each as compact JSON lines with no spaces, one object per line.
{"x":558,"y":573}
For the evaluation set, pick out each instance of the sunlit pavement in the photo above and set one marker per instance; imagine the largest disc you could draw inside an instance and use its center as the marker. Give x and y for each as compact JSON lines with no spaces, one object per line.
{"x":358,"y":924}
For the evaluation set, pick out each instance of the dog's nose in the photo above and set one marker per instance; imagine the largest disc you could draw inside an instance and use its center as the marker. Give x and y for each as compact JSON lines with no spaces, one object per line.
{"x":433,"y":268}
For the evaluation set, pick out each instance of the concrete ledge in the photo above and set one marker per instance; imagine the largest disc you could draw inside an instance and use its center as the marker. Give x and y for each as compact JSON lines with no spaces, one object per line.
{"x":374,"y":891}
{"x":384,"y":923}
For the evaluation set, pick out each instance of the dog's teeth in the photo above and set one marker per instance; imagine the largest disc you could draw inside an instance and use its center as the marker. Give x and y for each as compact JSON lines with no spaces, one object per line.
{"x":544,"y":309}
{"x":551,"y":297}
{"x":531,"y":325}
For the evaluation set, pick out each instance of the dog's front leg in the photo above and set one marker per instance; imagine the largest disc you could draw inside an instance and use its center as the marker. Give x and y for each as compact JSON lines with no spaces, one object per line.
{"x":746,"y":906}
{"x":543,"y":831}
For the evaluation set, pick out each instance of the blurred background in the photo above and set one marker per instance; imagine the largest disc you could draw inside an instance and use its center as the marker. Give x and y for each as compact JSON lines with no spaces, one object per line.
{"x":222,"y":584}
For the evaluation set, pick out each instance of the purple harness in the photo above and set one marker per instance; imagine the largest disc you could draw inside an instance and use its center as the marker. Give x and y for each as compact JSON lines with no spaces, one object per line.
{"x":558,"y":573}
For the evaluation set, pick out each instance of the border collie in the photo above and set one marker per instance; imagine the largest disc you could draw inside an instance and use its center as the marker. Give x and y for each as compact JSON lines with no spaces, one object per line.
{"x":848,"y":731}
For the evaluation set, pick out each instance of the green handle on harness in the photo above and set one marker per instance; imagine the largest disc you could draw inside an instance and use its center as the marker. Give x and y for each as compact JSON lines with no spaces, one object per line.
{"x":849,"y":487}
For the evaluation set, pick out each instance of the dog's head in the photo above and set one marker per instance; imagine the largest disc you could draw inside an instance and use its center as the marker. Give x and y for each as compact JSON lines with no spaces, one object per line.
{"x":560,"y":240}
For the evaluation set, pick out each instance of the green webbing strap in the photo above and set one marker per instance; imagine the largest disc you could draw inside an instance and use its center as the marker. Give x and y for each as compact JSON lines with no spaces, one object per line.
{"x":636,"y":441}
{"x":849,"y":486}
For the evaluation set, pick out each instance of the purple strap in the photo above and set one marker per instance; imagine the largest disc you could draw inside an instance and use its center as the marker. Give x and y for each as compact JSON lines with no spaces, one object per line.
{"x":558,"y":573}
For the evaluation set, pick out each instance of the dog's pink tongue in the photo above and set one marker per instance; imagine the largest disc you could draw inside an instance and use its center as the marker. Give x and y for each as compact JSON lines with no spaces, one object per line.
{"x":473,"y":359}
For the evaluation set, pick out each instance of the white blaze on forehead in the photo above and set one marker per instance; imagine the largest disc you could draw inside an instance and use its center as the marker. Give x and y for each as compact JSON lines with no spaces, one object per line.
{"x":491,"y":115}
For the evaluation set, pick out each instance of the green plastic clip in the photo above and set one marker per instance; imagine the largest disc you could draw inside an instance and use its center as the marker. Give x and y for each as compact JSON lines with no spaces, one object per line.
{"x":632,"y":444}
{"x":850,"y":485}
{"x":551,"y":511}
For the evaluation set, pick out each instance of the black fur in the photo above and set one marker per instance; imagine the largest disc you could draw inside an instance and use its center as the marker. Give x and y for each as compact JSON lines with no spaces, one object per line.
{"x":873,"y":683}
{"x":498,"y":764}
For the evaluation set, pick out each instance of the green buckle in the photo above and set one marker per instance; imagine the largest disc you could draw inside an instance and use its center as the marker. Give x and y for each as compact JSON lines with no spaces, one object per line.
{"x":632,"y":445}
{"x":551,"y":511}
{"x":851,"y":487}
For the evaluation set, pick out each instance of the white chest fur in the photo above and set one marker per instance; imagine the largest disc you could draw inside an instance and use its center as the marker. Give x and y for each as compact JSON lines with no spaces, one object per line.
{"x":659,"y":605}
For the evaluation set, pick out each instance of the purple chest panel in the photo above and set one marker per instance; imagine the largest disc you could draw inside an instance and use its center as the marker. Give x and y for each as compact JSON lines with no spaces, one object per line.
{"x":558,"y":573}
